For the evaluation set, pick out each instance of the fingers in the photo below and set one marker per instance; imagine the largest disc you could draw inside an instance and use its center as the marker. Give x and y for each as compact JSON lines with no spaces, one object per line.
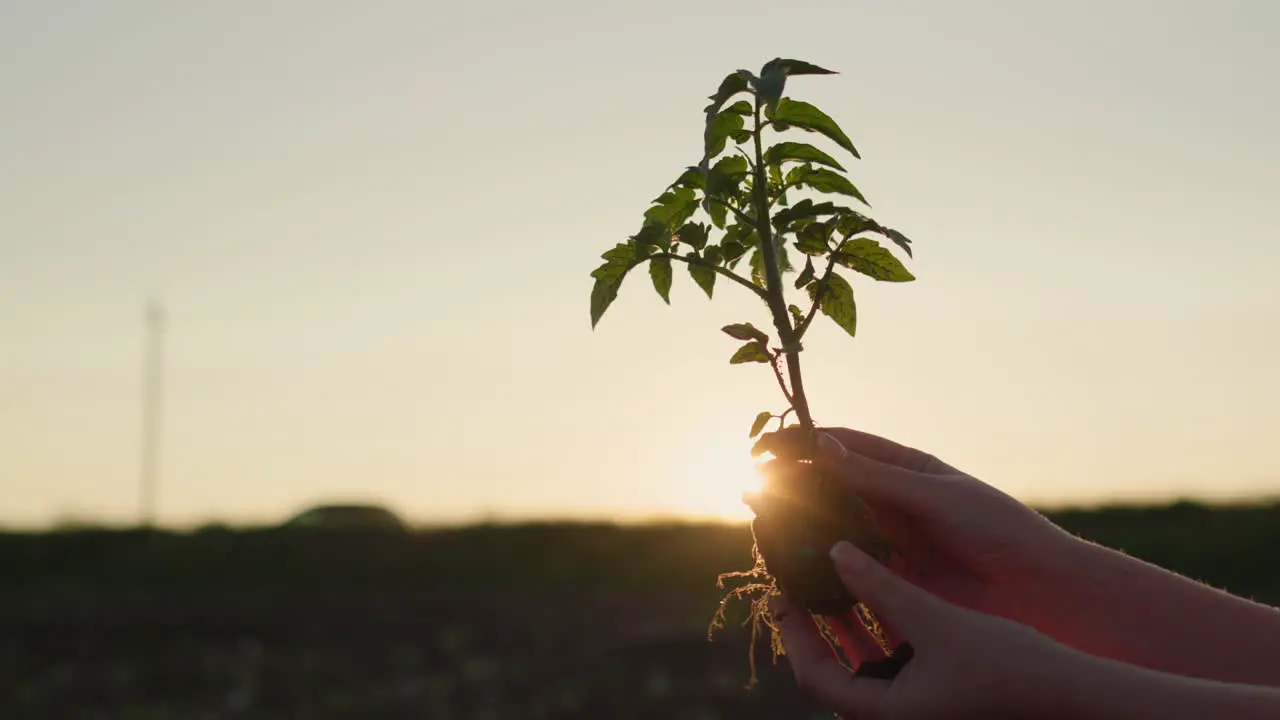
{"x":800,"y":635}
{"x":903,"y":606}
{"x":855,"y":640}
{"x":788,"y":444}
{"x":816,"y":668}
{"x":785,"y":444}
{"x":909,"y":492}
{"x":888,"y":451}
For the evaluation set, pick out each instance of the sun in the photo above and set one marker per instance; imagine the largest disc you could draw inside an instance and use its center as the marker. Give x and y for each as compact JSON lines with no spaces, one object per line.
{"x":711,"y":472}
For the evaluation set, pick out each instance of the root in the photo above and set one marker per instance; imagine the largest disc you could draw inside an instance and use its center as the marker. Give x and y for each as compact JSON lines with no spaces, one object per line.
{"x":873,"y":627}
{"x":758,"y":591}
{"x":759,"y":588}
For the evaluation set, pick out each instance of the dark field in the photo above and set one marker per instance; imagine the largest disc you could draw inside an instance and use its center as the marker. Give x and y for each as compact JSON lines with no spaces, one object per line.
{"x":533,"y":621}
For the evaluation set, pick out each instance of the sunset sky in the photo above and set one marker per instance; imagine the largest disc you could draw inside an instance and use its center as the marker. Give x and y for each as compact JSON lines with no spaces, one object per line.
{"x":372,"y":225}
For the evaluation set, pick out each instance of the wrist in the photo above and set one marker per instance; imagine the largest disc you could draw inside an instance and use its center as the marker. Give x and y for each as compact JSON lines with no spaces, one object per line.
{"x":1050,"y":586}
{"x":1074,"y":685}
{"x":1084,"y":599}
{"x":1064,"y":687}
{"x":1087,"y":686}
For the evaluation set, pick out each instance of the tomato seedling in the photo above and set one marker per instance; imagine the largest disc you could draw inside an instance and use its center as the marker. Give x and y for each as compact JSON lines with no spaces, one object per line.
{"x":749,"y":204}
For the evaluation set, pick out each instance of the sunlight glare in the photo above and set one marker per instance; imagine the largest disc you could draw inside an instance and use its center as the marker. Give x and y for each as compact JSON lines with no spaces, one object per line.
{"x":713,"y":473}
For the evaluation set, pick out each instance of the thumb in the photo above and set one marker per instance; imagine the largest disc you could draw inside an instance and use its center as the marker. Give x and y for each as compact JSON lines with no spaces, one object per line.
{"x":873,"y":480}
{"x":903,"y":605}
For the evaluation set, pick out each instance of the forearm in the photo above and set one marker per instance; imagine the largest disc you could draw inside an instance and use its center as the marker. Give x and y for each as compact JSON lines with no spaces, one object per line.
{"x":1092,"y":687}
{"x":1109,"y":604}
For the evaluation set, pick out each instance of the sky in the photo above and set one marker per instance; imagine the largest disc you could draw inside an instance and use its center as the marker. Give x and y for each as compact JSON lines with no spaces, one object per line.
{"x":372,"y":226}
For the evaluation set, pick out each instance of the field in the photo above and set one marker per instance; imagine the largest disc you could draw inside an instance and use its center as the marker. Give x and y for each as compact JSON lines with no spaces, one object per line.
{"x":529,"y":621}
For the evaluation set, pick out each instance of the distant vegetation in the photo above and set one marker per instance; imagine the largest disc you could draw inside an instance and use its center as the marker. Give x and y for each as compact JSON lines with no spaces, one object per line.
{"x":529,"y":620}
{"x":1226,"y":546}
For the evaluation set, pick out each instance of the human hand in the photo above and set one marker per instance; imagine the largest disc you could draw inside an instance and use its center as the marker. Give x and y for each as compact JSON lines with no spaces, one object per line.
{"x":965,"y":664}
{"x":956,"y":537}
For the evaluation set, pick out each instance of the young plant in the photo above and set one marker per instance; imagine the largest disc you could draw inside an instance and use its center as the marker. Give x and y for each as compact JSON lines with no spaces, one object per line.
{"x":774,"y":211}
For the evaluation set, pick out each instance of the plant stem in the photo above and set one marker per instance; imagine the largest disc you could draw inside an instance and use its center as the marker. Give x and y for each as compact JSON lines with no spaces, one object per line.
{"x":777,"y":373}
{"x":773,"y":281}
{"x":803,"y":326}
{"x":725,"y":272}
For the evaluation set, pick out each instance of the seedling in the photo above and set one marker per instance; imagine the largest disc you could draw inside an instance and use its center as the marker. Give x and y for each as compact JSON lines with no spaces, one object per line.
{"x":749,"y":204}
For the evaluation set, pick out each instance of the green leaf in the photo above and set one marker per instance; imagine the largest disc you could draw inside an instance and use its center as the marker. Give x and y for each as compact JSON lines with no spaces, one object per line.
{"x":804,"y":210}
{"x":693,"y":235}
{"x":719,"y":127}
{"x":796,"y":67}
{"x":711,"y":254}
{"x":740,"y":232}
{"x":732,"y":250}
{"x":828,"y":181}
{"x":898,"y":239}
{"x":719,"y":213}
{"x":806,"y":275}
{"x":734,"y":83}
{"x":795,"y":175}
{"x":761,"y":420}
{"x":724,"y":182}
{"x":797,"y":315}
{"x":773,"y":78}
{"x":754,"y":351}
{"x":673,"y":207}
{"x":726,"y":176}
{"x":693,"y":177}
{"x":652,"y":233}
{"x":745,"y":331}
{"x":608,"y":278}
{"x":769,"y":85}
{"x":807,"y":117}
{"x":852,"y":222}
{"x":871,"y":259}
{"x":800,"y":152}
{"x":618,"y":259}
{"x":739,"y":238}
{"x":774,"y":186}
{"x":742,"y":107}
{"x":603,"y":293}
{"x":757,"y":269}
{"x":813,"y":239}
{"x":835,"y":300}
{"x":705,"y":277}
{"x":660,"y":272}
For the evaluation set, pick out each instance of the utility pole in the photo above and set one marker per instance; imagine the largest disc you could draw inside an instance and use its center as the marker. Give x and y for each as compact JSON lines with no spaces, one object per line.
{"x":151,"y":387}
